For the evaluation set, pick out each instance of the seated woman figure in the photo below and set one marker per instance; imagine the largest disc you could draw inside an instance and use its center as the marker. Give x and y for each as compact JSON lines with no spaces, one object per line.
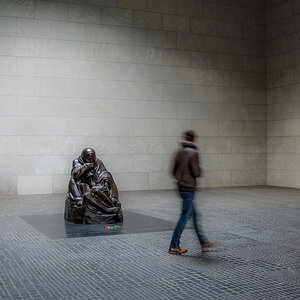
{"x":93,"y":194}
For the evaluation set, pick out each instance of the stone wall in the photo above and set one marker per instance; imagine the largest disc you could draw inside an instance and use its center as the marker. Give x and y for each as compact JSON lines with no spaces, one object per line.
{"x":283,"y":92}
{"x":127,"y":77}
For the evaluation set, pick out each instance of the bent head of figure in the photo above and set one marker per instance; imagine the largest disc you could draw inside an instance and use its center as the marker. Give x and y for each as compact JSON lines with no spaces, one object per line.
{"x":106,"y":180}
{"x":88,"y":155}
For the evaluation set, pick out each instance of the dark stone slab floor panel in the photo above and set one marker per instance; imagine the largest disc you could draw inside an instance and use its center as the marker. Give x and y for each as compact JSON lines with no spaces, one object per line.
{"x":55,"y":227}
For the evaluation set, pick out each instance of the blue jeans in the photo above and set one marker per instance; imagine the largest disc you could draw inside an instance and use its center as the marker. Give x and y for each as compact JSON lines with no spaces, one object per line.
{"x":188,"y":210}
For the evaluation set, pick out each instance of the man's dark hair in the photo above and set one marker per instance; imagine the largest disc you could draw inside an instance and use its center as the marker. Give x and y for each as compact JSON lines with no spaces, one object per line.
{"x":189,"y":135}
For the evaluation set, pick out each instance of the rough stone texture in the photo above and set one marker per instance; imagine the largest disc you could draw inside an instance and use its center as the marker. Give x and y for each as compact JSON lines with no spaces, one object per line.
{"x":257,"y":256}
{"x":119,"y":76}
{"x":283,"y":92}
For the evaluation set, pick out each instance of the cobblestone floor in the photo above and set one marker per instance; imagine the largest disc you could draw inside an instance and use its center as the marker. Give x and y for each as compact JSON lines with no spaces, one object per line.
{"x":257,"y":256}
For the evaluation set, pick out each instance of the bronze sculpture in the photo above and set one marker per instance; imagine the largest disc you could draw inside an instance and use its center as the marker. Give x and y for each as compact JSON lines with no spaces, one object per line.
{"x":92,"y":194}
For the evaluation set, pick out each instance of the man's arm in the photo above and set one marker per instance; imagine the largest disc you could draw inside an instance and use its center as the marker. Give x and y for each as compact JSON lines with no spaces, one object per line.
{"x":194,"y":165}
{"x":175,"y":165}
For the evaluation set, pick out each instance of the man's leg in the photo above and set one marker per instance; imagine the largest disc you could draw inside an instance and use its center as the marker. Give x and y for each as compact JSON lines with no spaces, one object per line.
{"x":198,"y":228}
{"x":187,"y":209}
{"x":90,"y":199}
{"x":205,"y":243}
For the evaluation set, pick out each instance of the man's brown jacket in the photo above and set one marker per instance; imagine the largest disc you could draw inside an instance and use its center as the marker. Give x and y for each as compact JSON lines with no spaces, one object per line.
{"x":186,"y":167}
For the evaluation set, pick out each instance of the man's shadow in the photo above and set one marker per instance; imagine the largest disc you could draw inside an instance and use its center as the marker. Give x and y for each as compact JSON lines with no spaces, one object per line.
{"x":208,"y":257}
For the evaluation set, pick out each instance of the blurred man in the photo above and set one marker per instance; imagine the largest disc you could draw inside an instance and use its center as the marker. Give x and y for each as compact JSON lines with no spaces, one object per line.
{"x":186,"y":170}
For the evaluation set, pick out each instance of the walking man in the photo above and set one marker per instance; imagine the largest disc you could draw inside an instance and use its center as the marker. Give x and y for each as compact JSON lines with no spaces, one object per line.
{"x":186,"y":170}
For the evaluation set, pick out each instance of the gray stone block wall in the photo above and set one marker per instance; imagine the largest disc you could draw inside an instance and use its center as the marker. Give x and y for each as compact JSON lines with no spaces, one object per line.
{"x":283,"y":92}
{"x":127,"y":77}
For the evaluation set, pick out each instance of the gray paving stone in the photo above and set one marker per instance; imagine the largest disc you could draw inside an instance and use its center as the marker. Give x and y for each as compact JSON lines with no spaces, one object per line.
{"x":257,"y":256}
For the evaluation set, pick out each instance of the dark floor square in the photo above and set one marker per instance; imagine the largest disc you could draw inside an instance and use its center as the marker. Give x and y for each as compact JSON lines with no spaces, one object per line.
{"x":55,"y":227}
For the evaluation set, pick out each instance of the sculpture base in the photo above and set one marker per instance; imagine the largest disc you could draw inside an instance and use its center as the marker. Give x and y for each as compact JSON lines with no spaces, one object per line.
{"x":86,"y":214}
{"x":55,"y":227}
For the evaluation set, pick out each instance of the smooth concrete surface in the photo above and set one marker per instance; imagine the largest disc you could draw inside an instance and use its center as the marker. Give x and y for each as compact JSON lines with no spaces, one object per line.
{"x":257,"y":257}
{"x":283,"y":92}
